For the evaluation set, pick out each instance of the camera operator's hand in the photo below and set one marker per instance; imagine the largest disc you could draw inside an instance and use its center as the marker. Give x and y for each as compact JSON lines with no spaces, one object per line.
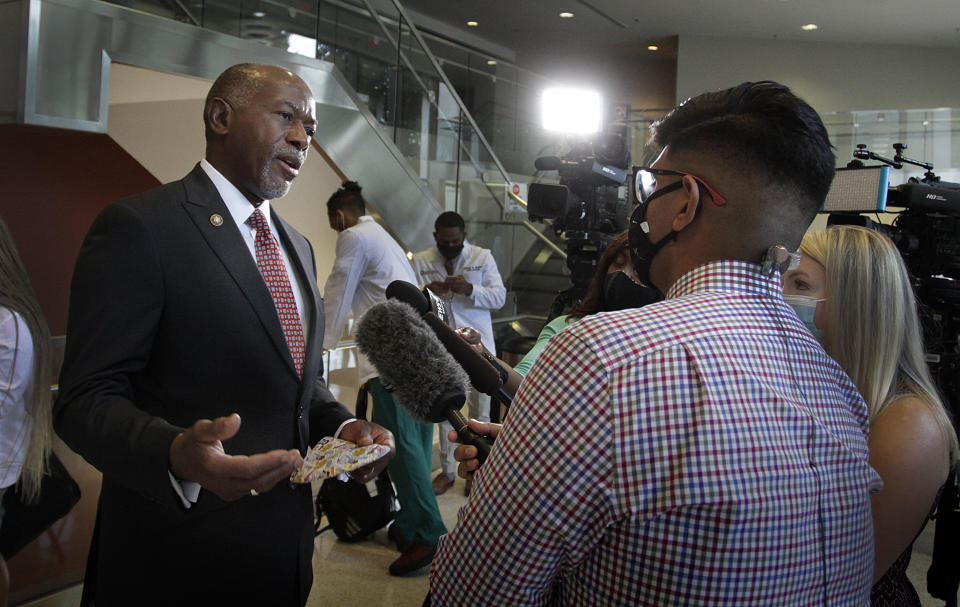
{"x":467,"y":454}
{"x":459,"y":284}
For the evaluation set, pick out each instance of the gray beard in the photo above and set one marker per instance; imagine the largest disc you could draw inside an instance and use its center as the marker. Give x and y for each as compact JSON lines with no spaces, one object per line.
{"x":272,"y":187}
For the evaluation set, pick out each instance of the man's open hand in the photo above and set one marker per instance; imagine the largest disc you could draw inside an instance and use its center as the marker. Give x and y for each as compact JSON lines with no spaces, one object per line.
{"x":197,"y":455}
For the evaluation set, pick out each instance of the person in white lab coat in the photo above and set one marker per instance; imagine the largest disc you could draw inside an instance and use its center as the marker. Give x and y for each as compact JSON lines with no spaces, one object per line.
{"x":466,"y":276}
{"x":367,"y":260}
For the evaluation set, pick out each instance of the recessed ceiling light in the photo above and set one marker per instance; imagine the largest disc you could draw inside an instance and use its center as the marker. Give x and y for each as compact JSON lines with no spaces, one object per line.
{"x":491,"y":62}
{"x":809,"y":27}
{"x":472,"y":23}
{"x":259,"y":14}
{"x":653,"y":47}
{"x":566,"y":15}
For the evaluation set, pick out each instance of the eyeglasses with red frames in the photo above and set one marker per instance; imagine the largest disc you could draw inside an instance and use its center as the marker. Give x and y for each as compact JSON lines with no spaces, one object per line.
{"x":645,"y":185}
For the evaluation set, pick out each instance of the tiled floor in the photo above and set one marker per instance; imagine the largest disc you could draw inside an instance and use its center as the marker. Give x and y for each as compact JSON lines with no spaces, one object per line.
{"x":356,"y":574}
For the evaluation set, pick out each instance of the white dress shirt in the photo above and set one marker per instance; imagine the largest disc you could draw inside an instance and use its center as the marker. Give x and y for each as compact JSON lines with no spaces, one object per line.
{"x":367,"y":260}
{"x":16,"y":380}
{"x":240,"y":209}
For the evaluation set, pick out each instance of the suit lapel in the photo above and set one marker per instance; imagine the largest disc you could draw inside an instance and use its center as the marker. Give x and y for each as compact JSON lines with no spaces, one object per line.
{"x":301,"y":255}
{"x":203,"y":204}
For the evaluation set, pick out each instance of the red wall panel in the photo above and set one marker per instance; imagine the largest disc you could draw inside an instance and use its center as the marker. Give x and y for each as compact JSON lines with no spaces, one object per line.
{"x":54,"y":182}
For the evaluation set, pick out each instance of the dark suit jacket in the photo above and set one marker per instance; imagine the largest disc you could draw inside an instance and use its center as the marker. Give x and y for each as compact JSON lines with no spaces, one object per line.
{"x":171,"y":322}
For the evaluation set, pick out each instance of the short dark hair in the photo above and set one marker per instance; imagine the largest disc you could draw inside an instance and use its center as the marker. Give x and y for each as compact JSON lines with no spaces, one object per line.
{"x":450,"y":219}
{"x":765,"y":127}
{"x":348,"y":198}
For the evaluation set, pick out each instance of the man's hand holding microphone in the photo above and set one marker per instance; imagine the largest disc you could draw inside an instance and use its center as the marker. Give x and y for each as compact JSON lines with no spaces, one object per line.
{"x":467,"y":454}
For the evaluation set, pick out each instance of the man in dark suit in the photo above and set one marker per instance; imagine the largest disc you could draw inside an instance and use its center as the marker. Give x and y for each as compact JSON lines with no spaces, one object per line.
{"x":193,"y":307}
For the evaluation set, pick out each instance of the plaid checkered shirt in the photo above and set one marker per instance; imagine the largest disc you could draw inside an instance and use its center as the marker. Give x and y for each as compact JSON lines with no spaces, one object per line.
{"x":703,"y":450}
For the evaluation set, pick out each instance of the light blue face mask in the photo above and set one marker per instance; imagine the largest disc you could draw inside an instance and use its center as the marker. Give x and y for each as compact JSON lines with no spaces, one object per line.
{"x":805,"y":307}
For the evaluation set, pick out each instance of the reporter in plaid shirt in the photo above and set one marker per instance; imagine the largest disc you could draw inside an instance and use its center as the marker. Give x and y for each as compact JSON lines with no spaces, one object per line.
{"x":703,"y":450}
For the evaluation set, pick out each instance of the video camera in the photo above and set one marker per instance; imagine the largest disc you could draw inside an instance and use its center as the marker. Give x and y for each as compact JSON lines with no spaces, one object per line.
{"x":927,"y":234}
{"x":587,"y":209}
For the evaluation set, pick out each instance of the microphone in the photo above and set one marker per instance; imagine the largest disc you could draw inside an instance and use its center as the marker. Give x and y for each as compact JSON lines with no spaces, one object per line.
{"x":484,"y":376}
{"x":551,"y":163}
{"x":428,"y":383}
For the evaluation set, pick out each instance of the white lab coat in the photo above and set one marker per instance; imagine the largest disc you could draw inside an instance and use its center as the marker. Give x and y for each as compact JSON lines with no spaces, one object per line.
{"x":478,"y":267}
{"x":367,"y":260}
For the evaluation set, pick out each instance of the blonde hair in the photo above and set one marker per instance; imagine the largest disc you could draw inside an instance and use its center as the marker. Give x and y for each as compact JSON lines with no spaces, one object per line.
{"x":16,"y":294}
{"x":872,"y":325}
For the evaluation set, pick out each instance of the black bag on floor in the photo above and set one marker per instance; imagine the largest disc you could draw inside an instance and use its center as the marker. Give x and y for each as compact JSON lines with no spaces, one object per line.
{"x":356,"y":510}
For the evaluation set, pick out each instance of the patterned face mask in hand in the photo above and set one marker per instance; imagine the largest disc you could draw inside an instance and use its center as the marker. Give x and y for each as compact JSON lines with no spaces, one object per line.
{"x":806,"y":307}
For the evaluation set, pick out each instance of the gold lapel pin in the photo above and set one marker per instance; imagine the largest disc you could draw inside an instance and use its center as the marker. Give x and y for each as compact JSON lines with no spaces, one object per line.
{"x":216,"y":219}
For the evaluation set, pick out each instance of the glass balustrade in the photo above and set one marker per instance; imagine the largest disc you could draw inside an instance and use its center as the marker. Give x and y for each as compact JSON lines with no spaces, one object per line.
{"x":466,"y":122}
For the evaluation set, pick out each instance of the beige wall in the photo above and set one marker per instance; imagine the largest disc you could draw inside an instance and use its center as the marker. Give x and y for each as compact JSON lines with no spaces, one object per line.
{"x":831,"y":77}
{"x":157,"y":118}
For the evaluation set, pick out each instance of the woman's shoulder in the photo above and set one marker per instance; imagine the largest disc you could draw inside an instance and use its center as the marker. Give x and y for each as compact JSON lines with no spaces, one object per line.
{"x":10,"y":322}
{"x":909,"y":426}
{"x":908,"y":410}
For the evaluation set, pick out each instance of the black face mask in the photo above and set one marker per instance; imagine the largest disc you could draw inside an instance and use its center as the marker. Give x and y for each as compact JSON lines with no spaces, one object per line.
{"x":450,"y":252}
{"x":642,"y":249}
{"x":621,"y":293}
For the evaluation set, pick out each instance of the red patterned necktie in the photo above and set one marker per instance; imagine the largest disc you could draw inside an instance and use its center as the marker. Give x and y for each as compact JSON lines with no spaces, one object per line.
{"x":274,"y":273}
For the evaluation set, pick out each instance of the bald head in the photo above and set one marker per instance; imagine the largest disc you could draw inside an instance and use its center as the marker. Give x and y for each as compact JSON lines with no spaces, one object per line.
{"x":239,"y":84}
{"x":259,"y":122}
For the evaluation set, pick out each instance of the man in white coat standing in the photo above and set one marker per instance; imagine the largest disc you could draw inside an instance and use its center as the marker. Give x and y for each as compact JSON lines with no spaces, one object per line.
{"x":466,"y":277}
{"x":369,"y":259}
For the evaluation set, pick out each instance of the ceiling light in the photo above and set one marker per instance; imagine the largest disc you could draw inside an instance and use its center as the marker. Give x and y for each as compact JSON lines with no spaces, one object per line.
{"x":809,"y":27}
{"x":566,"y":15}
{"x":653,"y":47}
{"x":259,"y":14}
{"x":472,"y":23}
{"x":491,"y":62}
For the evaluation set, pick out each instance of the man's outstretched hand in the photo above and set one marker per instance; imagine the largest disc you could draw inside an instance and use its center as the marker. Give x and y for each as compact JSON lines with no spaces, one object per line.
{"x":197,"y":455}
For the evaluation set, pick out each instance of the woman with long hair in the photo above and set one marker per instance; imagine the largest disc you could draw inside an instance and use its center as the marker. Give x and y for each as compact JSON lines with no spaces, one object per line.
{"x":26,"y":429}
{"x":853,"y":290}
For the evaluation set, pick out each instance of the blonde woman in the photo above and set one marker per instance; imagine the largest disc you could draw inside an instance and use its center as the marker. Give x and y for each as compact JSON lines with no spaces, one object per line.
{"x":25,"y":409}
{"x":854,"y":288}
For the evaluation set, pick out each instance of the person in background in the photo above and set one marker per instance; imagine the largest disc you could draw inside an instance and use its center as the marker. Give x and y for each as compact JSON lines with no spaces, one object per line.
{"x":703,"y":449}
{"x":367,"y":260}
{"x":26,"y":429}
{"x":193,"y":373}
{"x":612,"y":288}
{"x":853,"y":291}
{"x":466,"y":276}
